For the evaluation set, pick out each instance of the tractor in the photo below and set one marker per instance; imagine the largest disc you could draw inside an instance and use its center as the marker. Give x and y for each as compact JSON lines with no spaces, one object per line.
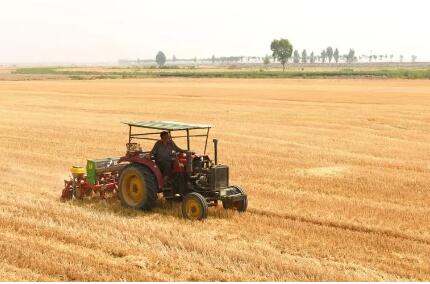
{"x":195,"y":180}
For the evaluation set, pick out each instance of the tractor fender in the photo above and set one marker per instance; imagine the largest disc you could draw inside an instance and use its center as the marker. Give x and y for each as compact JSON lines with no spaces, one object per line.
{"x":150,"y":165}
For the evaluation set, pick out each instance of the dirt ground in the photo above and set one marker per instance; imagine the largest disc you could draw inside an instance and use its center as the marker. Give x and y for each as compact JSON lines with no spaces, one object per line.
{"x":337,"y":173}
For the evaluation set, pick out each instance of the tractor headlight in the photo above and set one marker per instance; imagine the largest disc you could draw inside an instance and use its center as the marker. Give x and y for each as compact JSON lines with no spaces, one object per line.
{"x":223,"y":192}
{"x":203,"y":178}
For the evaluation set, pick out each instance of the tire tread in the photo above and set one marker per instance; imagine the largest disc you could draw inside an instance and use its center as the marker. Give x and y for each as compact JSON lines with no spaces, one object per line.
{"x":150,"y":186}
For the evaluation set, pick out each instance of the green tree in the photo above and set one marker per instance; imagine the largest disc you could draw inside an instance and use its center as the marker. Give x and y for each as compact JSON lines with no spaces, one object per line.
{"x":304,"y":56}
{"x":282,"y":50}
{"x":323,"y":56}
{"x":351,"y":55}
{"x":266,"y":60}
{"x":312,"y":57}
{"x":336,"y":55}
{"x":296,"y":56}
{"x":329,"y":53}
{"x":160,"y":58}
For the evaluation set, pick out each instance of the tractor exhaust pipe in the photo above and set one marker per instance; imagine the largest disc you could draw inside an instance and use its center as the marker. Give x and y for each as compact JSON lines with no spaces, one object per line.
{"x":215,"y":150}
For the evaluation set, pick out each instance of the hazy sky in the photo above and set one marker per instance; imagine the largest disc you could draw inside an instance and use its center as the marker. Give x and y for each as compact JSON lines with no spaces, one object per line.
{"x":104,"y":31}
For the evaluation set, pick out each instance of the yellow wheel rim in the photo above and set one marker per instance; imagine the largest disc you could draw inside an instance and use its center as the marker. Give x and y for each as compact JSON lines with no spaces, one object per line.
{"x":133,"y":189}
{"x":193,"y":209}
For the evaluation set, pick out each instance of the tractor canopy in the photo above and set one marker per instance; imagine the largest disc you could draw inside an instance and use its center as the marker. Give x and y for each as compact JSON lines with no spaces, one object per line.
{"x":169,"y":126}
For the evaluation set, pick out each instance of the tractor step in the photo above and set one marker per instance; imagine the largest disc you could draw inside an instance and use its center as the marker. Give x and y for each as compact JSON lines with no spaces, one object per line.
{"x":168,"y":192}
{"x":176,"y":197}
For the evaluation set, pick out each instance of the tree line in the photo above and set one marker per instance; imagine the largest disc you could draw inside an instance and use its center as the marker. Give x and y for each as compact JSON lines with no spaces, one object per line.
{"x":282,"y":51}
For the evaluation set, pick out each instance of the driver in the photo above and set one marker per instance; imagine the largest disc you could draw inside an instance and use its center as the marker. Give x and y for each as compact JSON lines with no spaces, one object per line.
{"x":163,"y":150}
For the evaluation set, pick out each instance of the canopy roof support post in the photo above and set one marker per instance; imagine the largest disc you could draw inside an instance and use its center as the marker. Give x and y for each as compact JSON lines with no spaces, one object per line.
{"x":188,"y":139}
{"x":129,"y":134}
{"x":206,"y":143}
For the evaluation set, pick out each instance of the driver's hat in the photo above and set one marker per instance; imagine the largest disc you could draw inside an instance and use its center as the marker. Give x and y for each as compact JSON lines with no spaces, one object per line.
{"x":164,"y":132}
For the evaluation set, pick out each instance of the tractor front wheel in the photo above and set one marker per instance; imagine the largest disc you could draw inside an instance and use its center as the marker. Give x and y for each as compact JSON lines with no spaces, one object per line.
{"x":137,"y":187}
{"x":194,"y":206}
{"x":240,"y":205}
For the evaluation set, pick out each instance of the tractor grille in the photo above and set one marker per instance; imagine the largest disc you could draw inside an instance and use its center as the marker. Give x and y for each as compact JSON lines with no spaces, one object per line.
{"x":219,"y":177}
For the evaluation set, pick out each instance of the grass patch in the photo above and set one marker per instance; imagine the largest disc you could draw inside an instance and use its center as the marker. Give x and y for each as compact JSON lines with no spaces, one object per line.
{"x":36,"y":70}
{"x":189,"y":73}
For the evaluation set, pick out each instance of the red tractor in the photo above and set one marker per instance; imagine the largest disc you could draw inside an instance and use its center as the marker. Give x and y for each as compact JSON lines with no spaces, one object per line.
{"x":195,"y":179}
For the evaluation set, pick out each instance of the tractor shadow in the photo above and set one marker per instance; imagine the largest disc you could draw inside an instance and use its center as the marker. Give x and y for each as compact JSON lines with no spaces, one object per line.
{"x":167,"y":208}
{"x":107,"y":206}
{"x":174,"y":209}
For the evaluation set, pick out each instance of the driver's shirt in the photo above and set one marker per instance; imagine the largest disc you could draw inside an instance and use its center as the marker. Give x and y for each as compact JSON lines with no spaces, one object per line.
{"x":163,"y":151}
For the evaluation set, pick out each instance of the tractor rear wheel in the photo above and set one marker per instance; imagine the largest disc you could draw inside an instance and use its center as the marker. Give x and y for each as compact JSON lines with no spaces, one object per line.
{"x":194,"y":206}
{"x":137,"y":188}
{"x":240,"y":205}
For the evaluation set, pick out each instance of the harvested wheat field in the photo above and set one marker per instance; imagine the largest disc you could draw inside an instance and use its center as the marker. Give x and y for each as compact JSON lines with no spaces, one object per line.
{"x":337,"y":173}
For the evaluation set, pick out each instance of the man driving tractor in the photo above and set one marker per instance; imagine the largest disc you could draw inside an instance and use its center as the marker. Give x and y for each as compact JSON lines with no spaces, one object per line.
{"x":163,"y":151}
